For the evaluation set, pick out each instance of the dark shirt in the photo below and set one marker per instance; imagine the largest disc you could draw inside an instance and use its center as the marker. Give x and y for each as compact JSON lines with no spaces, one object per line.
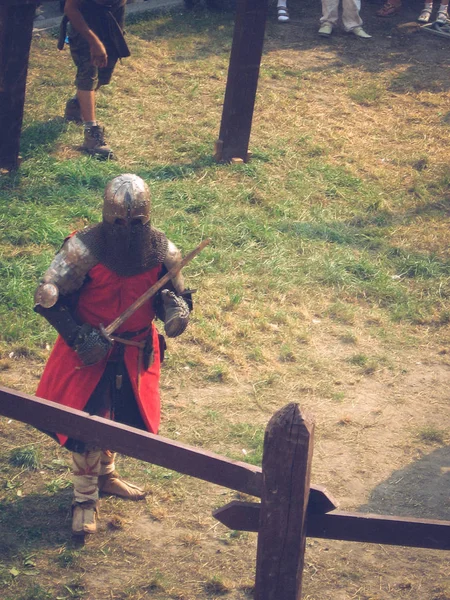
{"x":106,"y":19}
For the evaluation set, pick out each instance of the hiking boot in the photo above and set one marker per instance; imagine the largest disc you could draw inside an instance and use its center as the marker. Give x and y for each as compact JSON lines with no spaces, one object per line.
{"x":94,"y":142}
{"x":84,"y":517}
{"x":326,"y":29}
{"x":73,"y":111}
{"x":113,"y":485}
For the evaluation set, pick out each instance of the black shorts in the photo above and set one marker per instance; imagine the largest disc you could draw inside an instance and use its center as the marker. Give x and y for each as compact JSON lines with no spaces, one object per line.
{"x":88,"y":77}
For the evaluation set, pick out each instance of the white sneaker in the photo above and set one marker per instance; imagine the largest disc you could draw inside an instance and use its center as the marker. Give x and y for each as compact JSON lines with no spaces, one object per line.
{"x":359,"y":32}
{"x":326,"y":29}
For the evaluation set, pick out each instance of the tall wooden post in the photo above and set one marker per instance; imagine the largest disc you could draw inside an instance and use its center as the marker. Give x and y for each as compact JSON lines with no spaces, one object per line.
{"x":243,"y":73}
{"x":288,"y":448}
{"x":16,"y":28}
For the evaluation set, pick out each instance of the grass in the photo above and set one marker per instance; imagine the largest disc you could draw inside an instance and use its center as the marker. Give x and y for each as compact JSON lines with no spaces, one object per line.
{"x":27,"y":457}
{"x":432,"y":435}
{"x":328,"y":271}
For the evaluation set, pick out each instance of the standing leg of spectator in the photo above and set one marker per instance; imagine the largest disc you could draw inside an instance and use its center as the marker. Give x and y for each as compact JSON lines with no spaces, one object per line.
{"x":329,"y":18}
{"x":442,"y":16}
{"x":283,"y":13}
{"x":86,"y":100}
{"x":330,"y":11}
{"x":350,"y":14}
{"x":351,"y":18}
{"x":425,"y":15}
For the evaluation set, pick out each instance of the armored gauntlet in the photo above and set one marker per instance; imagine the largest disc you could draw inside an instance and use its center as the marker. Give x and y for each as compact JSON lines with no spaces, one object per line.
{"x":90,"y":345}
{"x":176,"y":313}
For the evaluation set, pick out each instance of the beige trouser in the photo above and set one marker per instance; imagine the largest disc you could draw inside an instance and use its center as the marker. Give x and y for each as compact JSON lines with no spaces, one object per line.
{"x":350,"y":13}
{"x":87,"y":467}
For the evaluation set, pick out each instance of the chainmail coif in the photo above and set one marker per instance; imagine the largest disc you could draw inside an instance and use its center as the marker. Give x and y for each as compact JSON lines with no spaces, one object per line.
{"x":128,"y":251}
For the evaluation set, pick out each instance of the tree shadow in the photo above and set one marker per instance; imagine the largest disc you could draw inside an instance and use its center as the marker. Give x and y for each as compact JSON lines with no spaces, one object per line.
{"x":420,"y":490}
{"x":171,"y":172}
{"x":41,"y":135}
{"x":196,"y":35}
{"x":33,"y":522}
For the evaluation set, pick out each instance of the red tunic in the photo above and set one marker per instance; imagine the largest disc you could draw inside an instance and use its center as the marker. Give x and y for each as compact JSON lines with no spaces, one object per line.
{"x":103,"y":298}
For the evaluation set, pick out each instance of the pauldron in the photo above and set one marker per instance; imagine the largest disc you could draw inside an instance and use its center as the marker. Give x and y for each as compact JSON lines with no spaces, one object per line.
{"x":66,"y":273}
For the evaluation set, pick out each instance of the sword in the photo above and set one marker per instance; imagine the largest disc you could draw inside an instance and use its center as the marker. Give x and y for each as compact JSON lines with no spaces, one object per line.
{"x":111,"y":328}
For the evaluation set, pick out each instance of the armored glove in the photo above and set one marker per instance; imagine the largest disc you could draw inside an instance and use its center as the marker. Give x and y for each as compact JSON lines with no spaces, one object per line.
{"x":90,"y":345}
{"x":176,"y":313}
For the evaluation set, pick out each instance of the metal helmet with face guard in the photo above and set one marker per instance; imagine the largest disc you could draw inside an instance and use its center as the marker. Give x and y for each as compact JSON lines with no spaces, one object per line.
{"x":126,"y":201}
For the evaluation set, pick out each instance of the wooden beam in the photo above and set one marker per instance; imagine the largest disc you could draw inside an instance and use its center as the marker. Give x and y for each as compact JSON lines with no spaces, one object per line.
{"x":381,"y":529}
{"x":352,"y":527}
{"x":16,"y":27}
{"x":155,"y":449}
{"x":50,"y":416}
{"x":242,"y":81}
{"x":287,"y":457}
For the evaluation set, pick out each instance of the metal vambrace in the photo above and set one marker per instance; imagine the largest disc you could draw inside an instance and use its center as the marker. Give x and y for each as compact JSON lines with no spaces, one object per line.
{"x":87,"y":341}
{"x":176,"y":313}
{"x":60,"y":317}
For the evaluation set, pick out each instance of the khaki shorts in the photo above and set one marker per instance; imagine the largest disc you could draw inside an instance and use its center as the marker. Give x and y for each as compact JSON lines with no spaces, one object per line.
{"x":88,"y":77}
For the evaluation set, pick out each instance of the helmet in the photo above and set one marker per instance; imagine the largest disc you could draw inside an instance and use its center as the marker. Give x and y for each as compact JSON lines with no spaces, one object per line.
{"x":126,"y":201}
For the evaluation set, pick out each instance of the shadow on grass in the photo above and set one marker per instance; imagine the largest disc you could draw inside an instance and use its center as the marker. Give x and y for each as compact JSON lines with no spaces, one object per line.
{"x":41,"y":135}
{"x":420,"y":490}
{"x":33,"y":522}
{"x":196,"y":35}
{"x":174,"y":171}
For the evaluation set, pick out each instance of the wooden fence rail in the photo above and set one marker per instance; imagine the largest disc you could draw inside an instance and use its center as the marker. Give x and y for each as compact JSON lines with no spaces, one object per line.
{"x":49,"y":416}
{"x":290,"y":507}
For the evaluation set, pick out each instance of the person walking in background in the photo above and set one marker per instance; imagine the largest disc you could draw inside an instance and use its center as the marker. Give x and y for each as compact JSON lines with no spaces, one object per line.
{"x":350,"y":17}
{"x":441,"y":17}
{"x":96,"y":42}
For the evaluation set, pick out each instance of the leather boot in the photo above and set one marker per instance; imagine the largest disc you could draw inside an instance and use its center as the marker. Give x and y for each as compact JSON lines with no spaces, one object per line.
{"x":112,"y":484}
{"x":95,"y":143}
{"x":72,"y":111}
{"x":84,"y":517}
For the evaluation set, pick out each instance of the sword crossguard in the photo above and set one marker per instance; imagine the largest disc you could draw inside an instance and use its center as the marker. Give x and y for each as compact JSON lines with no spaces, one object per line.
{"x":105,"y":334}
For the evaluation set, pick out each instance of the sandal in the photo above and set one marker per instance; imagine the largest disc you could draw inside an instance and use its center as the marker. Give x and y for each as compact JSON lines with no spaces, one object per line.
{"x":389,"y":9}
{"x":283,"y":14}
{"x":424,"y":16}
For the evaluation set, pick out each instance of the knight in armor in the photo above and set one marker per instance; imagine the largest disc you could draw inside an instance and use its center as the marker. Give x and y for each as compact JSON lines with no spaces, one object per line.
{"x":96,"y":275}
{"x":94,"y":30}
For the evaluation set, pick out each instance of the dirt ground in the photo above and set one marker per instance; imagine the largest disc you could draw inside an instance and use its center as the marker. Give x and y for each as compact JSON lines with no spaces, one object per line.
{"x":368,"y":453}
{"x":382,"y":439}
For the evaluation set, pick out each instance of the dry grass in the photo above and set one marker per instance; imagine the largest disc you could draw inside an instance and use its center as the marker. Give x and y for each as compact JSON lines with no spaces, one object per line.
{"x":327,"y":284}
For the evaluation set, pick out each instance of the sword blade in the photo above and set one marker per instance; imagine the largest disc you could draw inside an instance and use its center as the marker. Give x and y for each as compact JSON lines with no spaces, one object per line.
{"x":111,"y":328}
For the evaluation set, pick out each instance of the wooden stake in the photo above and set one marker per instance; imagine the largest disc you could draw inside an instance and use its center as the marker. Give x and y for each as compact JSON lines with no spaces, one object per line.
{"x":288,"y":447}
{"x":16,"y":28}
{"x":242,"y":81}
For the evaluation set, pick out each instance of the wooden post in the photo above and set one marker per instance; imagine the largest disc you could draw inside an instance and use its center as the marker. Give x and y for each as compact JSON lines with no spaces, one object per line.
{"x":243,"y":73}
{"x":288,"y":447}
{"x":16,"y":28}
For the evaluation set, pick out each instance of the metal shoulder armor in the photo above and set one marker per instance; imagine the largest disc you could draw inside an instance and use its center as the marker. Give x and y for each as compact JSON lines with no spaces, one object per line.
{"x":173,"y":257}
{"x":66,"y":273}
